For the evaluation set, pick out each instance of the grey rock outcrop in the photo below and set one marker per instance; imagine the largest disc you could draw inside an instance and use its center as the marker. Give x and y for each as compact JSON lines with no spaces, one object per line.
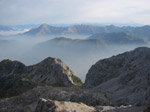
{"x":51,"y":71}
{"x":67,"y":106}
{"x":27,"y":101}
{"x":62,"y":106}
{"x":124,"y":77}
{"x":16,"y":78}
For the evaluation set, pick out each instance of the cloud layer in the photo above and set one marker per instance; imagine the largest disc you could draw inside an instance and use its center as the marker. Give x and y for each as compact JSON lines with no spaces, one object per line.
{"x":74,"y":11}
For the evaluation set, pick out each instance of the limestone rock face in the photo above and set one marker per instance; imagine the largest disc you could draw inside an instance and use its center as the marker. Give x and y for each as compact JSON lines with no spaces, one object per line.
{"x":62,"y":106}
{"x":51,"y":71}
{"x":67,"y":106}
{"x":16,"y":78}
{"x":125,"y":77}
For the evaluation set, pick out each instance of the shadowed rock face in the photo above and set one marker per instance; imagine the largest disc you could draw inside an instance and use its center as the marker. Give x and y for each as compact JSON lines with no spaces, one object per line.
{"x":27,"y":102}
{"x":124,"y":77}
{"x":16,"y":78}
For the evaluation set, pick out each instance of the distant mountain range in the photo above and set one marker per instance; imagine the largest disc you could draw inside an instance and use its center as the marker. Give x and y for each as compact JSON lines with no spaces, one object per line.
{"x":18,"y":27}
{"x":93,"y":42}
{"x":5,"y":28}
{"x":45,"y":29}
{"x":119,"y":38}
{"x":70,"y":48}
{"x":79,"y":44}
{"x":24,"y":26}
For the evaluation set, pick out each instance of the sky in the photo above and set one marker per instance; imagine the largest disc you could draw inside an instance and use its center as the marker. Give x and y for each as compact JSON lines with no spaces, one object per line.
{"x":14,"y":12}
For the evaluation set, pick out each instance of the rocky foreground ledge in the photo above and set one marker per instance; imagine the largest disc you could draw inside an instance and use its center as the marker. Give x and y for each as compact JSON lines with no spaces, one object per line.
{"x":67,"y":106}
{"x":117,"y":84}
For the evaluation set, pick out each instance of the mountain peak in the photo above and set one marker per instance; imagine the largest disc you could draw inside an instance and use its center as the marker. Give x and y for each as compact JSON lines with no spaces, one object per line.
{"x":44,"y":30}
{"x":8,"y":62}
{"x":44,"y":26}
{"x":49,"y":60}
{"x":18,"y":77}
{"x":141,"y":49}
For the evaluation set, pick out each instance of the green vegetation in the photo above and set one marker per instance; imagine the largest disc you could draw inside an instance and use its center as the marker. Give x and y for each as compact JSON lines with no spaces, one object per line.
{"x":6,"y":61}
{"x":76,"y":80}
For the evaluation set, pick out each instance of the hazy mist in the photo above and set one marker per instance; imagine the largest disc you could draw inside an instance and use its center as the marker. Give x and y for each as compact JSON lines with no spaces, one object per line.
{"x":79,"y":58}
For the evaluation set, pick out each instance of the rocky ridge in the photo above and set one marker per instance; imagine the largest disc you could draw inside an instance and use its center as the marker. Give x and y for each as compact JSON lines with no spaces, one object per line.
{"x":17,"y":78}
{"x":124,"y":77}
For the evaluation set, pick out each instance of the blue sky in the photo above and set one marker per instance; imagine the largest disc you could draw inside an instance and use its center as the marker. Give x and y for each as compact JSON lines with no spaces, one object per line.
{"x":74,"y":11}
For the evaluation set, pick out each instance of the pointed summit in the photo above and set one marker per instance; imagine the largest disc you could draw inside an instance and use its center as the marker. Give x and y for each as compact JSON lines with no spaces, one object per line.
{"x":44,"y":30}
{"x":44,"y":26}
{"x":57,"y":73}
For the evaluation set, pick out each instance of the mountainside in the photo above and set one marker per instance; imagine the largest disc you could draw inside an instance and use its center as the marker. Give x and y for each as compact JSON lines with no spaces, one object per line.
{"x":76,"y":47}
{"x":119,"y":38}
{"x":124,"y":77}
{"x":95,"y":45}
{"x":73,"y":43}
{"x":16,"y":78}
{"x":45,"y":29}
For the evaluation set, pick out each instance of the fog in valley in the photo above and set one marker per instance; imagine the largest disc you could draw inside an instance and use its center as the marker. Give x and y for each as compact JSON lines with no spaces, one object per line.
{"x":75,"y":51}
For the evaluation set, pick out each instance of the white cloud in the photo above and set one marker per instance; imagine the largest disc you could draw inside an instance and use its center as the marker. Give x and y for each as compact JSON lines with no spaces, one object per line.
{"x":74,"y":11}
